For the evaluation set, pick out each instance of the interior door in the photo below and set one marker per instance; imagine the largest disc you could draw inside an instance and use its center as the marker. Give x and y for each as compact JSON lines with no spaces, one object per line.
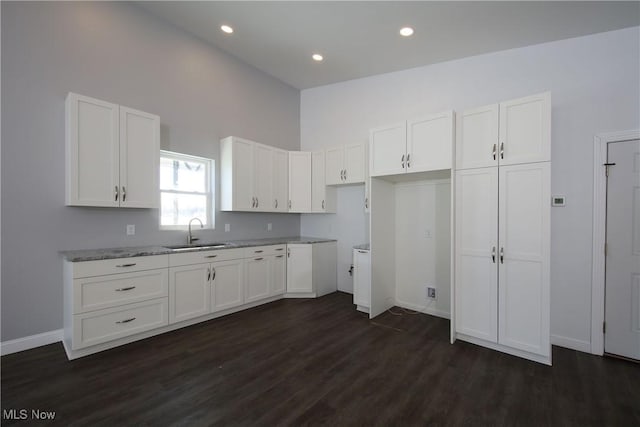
{"x":430,"y":143}
{"x":476,"y":272}
{"x":263,"y":177}
{"x":622,"y":301}
{"x":523,"y":278}
{"x":388,"y":150}
{"x":139,"y":159}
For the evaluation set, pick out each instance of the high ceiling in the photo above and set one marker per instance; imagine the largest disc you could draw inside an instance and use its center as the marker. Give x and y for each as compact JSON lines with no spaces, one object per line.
{"x":359,"y":39}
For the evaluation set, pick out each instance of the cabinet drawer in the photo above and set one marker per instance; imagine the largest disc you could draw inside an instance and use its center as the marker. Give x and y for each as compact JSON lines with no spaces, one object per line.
{"x":119,"y":265}
{"x":113,"y":323}
{"x":257,"y":251}
{"x":200,"y":257}
{"x":95,"y":293}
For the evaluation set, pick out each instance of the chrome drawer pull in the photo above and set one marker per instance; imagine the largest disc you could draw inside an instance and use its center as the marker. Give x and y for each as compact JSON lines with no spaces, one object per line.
{"x":279,"y":249}
{"x":258,"y":259}
{"x":211,"y":256}
{"x":258,"y":252}
{"x":126,"y":265}
{"x":279,"y":256}
{"x":128,"y":288}
{"x":213,"y":270}
{"x":493,"y":153}
{"x":126,"y":320}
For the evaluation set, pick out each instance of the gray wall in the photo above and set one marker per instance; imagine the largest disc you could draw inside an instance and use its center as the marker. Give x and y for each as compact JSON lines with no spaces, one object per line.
{"x":119,"y":53}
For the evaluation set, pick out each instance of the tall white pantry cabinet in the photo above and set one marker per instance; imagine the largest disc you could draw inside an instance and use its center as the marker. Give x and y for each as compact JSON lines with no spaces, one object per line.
{"x":502,"y":212}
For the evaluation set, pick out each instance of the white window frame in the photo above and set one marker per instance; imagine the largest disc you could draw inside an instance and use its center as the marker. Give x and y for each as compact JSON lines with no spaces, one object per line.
{"x":209,"y":190}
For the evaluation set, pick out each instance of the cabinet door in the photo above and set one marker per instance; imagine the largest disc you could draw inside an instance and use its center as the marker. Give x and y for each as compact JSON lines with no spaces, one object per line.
{"x":524,"y":257}
{"x":318,"y":189}
{"x":280,"y":180}
{"x":189,"y":292}
{"x":388,"y":150}
{"x":139,"y":159}
{"x":334,"y":166}
{"x":243,"y":164}
{"x":299,"y":181}
{"x":263,"y":177}
{"x":430,"y":143}
{"x":525,"y":130}
{"x":354,"y":163}
{"x":476,"y":280}
{"x":278,"y":274}
{"x":299,"y":268}
{"x":257,"y":283}
{"x":361,"y":278}
{"x":477,"y":138}
{"x":92,"y":152}
{"x":227,"y":284}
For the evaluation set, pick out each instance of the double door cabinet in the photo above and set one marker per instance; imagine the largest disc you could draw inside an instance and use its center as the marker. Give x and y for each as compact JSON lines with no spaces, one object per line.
{"x":502,"y":231}
{"x":254,"y":177}
{"x":346,"y":164}
{"x":419,"y":145}
{"x":112,"y":154}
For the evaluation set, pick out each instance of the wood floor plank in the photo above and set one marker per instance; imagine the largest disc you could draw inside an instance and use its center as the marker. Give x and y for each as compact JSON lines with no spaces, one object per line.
{"x":318,"y":362}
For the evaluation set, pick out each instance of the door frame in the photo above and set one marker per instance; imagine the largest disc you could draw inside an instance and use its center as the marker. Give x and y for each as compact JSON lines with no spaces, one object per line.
{"x":599,"y":232}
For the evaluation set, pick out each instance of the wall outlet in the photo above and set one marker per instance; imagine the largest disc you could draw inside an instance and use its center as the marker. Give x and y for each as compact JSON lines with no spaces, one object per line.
{"x":131,"y":229}
{"x":269,"y":226}
{"x":227,"y":228}
{"x":431,"y":292}
{"x":427,"y":234}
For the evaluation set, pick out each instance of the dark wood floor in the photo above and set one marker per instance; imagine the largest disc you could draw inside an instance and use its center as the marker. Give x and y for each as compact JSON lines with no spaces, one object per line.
{"x":314,"y":362}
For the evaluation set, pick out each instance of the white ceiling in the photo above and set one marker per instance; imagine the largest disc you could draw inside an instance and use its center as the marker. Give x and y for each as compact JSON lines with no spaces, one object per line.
{"x":361,"y":38}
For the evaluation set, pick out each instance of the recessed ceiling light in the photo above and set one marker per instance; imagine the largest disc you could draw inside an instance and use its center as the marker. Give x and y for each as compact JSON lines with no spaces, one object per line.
{"x":317,"y":57}
{"x":406,"y":31}
{"x":227,"y":29}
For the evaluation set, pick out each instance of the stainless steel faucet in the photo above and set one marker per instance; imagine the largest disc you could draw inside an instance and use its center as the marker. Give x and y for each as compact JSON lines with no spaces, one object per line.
{"x":190,"y":238}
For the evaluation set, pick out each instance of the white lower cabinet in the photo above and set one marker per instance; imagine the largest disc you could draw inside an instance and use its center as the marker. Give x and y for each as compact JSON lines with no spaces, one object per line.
{"x":227,"y":283}
{"x":258,"y":278}
{"x":278,"y":274}
{"x":299,"y":268}
{"x":362,"y":279}
{"x":311,"y":269}
{"x":189,"y":292}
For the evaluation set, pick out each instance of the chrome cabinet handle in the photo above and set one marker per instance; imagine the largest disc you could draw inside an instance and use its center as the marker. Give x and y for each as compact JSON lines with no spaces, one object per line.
{"x":258,"y":259}
{"x":288,"y":253}
{"x":257,"y":202}
{"x":279,"y":249}
{"x":131,"y":319}
{"x":366,"y":203}
{"x":258,"y":252}
{"x":323,"y":204}
{"x":408,"y":160}
{"x":116,"y":193}
{"x":213,"y":271}
{"x":289,"y":204}
{"x":502,"y":150}
{"x":124,"y":193}
{"x":362,"y":252}
{"x":493,"y":152}
{"x":208,"y":274}
{"x":345,"y":174}
{"x":279,"y":256}
{"x":402,"y":161}
{"x":501,"y":255}
{"x":493,"y":254}
{"x":126,"y":265}
{"x":128,"y":288}
{"x":211,"y":256}
{"x":275,"y":205}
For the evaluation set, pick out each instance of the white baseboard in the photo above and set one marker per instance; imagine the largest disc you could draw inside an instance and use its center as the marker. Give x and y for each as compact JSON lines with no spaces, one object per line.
{"x":573,"y":344}
{"x":33,"y":341}
{"x":422,"y":309}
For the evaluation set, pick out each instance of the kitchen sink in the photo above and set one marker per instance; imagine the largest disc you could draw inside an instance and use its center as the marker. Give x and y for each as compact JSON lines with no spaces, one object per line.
{"x":197,"y":246}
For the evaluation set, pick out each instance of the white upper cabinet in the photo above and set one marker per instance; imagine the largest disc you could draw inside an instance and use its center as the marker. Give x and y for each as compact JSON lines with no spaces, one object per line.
{"x":299,"y":181}
{"x":345,"y":164}
{"x":322,"y":197}
{"x":112,"y":154}
{"x":419,"y":145}
{"x":388,"y":149}
{"x":430,"y":143}
{"x":237,"y":174}
{"x":263,"y":177}
{"x":139,"y":140}
{"x":512,"y":132}
{"x":525,"y":130}
{"x":280,"y":180}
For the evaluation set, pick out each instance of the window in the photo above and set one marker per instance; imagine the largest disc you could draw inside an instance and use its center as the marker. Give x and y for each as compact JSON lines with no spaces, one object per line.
{"x":186,"y":184}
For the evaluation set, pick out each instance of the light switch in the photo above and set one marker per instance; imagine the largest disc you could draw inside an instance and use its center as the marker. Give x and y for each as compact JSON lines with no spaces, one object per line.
{"x":269,"y":226}
{"x":227,"y":228}
{"x":131,"y":229}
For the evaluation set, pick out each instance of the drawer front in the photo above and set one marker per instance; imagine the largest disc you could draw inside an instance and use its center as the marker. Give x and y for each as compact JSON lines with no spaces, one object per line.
{"x":120,"y":265}
{"x":95,"y":293}
{"x":113,"y":323}
{"x":258,"y":251}
{"x":200,"y":257}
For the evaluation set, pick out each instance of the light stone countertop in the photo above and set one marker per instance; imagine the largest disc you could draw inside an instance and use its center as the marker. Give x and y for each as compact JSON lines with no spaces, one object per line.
{"x":111,"y":253}
{"x":364,"y":247}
